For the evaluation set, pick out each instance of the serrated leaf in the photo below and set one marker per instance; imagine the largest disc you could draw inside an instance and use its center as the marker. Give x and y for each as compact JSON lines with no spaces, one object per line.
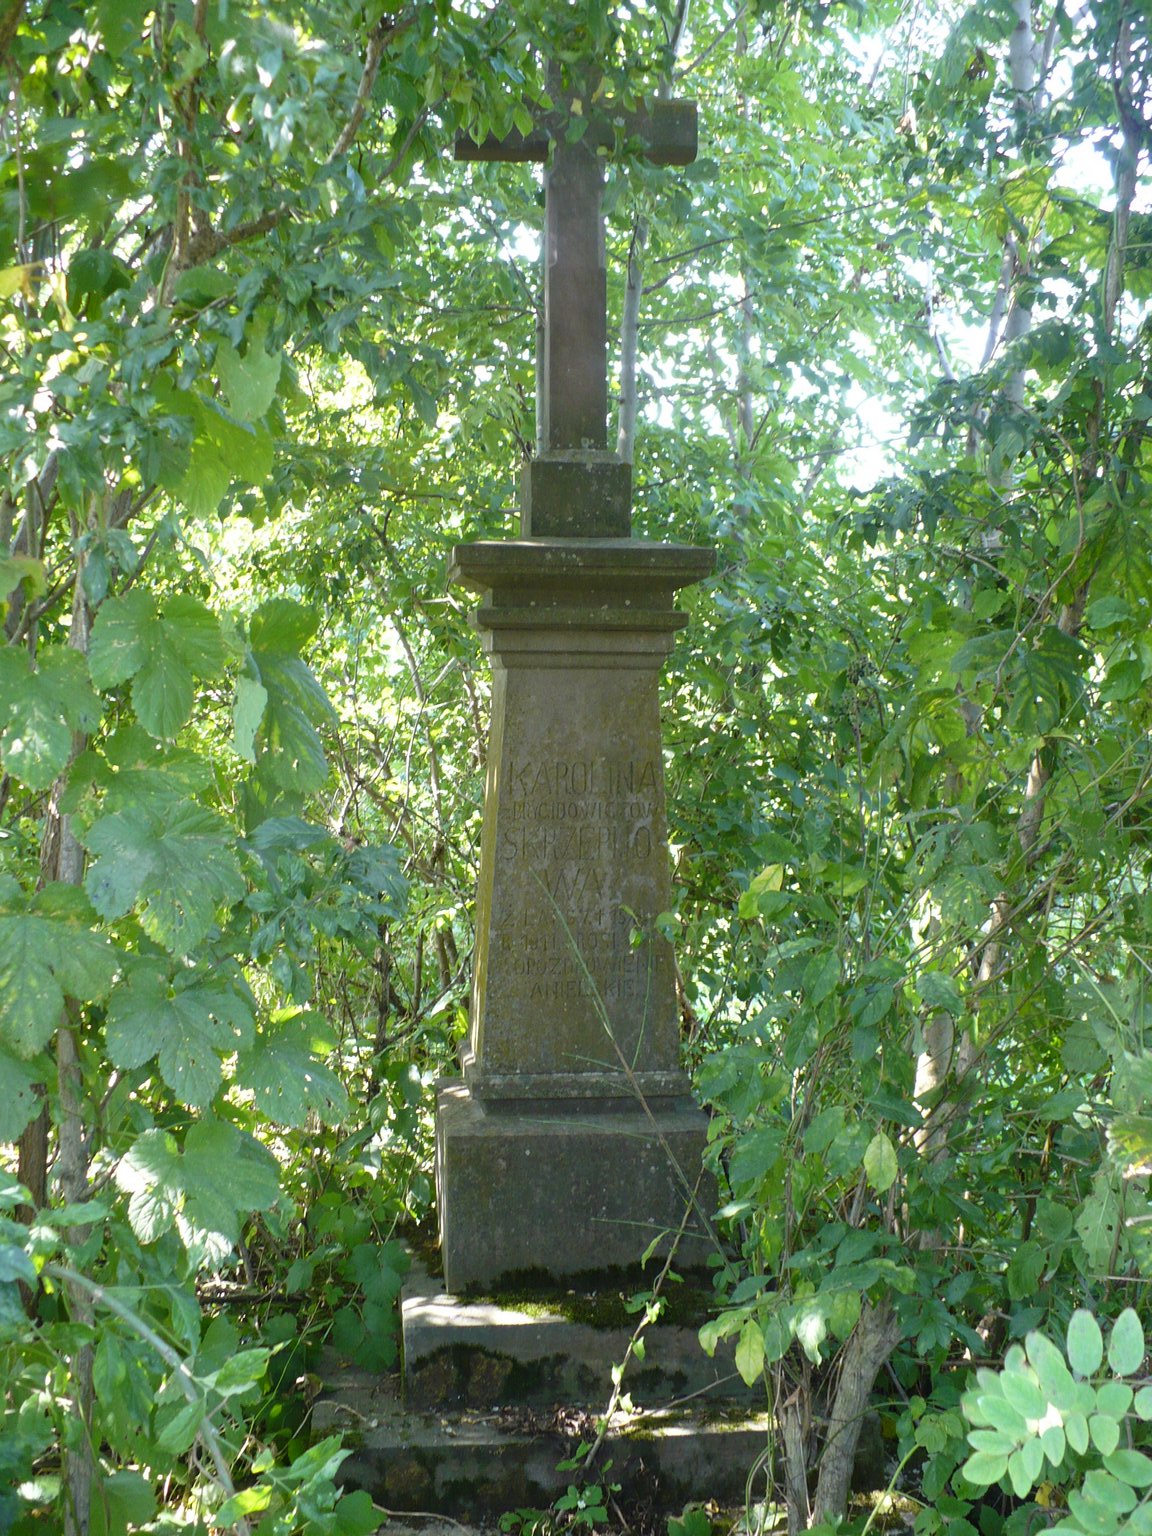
{"x":188,"y":1023}
{"x":219,"y":1175}
{"x":880,"y":1163}
{"x":1098,"y":1221}
{"x":44,"y":959}
{"x":1126,"y":1344}
{"x":161,"y":648}
{"x":750,"y":1352}
{"x":1085,"y":1343}
{"x":288,"y":746}
{"x":288,"y":1083}
{"x":247,"y":713}
{"x":19,"y":1101}
{"x":176,"y":863}
{"x":249,"y":381}
{"x":177,"y":1432}
{"x":41,"y":709}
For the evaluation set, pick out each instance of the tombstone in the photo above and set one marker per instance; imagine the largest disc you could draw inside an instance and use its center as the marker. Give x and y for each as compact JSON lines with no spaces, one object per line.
{"x":571,"y":1145}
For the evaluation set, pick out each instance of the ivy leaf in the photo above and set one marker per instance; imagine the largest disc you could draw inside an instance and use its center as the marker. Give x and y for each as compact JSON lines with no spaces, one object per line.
{"x":160,"y":649}
{"x":188,"y":1023}
{"x":49,"y":952}
{"x":175,"y":861}
{"x":288,"y":1082}
{"x":40,"y":710}
{"x":880,"y":1164}
{"x":220,"y":1175}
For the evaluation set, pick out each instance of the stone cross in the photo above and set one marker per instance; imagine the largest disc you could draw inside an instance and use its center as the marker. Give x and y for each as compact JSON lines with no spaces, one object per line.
{"x":575,"y":487}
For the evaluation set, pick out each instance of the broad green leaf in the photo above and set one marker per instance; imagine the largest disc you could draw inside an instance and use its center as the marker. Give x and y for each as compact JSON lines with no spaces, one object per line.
{"x":17,"y":570}
{"x":19,"y":1101}
{"x":1090,"y":1517}
{"x":755,"y":1153}
{"x":880,"y":1163}
{"x":1126,"y":1344}
{"x":120,"y":1501}
{"x":241,"y":1371}
{"x":1143,"y":1403}
{"x":161,"y":648}
{"x":1105,"y":1433}
{"x":218,"y":1176}
{"x":1052,"y":1374}
{"x":1131,"y":1467}
{"x":1085,"y":1343}
{"x":940,"y":992}
{"x":188,"y":1022}
{"x":40,"y":711}
{"x":1076,"y":1429}
{"x":1054,"y":1444}
{"x":249,"y":1501}
{"x":1114,"y":1398}
{"x":1021,"y":1391}
{"x":1098,"y":1222}
{"x":176,"y":864}
{"x":287,"y":1081}
{"x":176,"y":1431}
{"x":288,"y":746}
{"x":48,"y":953}
{"x":993,"y":1440}
{"x":223,"y":452}
{"x":984,"y":1468}
{"x":249,"y":381}
{"x":750,"y":1352}
{"x":282,"y":627}
{"x":247,"y":713}
{"x":1109,"y":1492}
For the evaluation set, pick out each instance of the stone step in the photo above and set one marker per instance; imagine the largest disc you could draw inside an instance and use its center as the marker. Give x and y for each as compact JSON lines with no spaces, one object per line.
{"x":474,"y":1464}
{"x":556,"y":1347}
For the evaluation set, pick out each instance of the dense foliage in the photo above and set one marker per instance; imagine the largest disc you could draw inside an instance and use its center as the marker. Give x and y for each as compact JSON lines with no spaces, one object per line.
{"x":268,"y":355}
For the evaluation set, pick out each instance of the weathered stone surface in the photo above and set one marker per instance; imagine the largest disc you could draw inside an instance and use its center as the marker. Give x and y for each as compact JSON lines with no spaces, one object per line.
{"x":483,"y":1464}
{"x":573,"y":989}
{"x":488,"y":1352}
{"x":563,"y":1190}
{"x":581,"y":494}
{"x":573,"y":1141}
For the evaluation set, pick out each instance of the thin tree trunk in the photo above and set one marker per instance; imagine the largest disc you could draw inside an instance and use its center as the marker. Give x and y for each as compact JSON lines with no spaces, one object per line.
{"x":875,"y":1336}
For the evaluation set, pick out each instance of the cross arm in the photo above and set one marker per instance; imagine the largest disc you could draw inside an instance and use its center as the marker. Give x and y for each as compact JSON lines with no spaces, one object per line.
{"x":665,"y":132}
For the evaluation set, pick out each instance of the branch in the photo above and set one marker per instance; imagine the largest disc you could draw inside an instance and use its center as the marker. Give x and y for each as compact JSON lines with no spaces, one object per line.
{"x":9,"y":21}
{"x":184,"y":1377}
{"x":384,"y":30}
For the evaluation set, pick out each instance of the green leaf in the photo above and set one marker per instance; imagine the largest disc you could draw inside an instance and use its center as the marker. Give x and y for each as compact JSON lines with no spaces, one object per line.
{"x":1143,"y":1403}
{"x":161,"y":649}
{"x":47,"y":953}
{"x":1085,"y":1343}
{"x":880,"y":1163}
{"x":176,"y":863}
{"x":40,"y":710}
{"x":19,"y":1101}
{"x":1109,"y":1492}
{"x":223,"y":452}
{"x":1051,"y":1372}
{"x":1098,"y":1222}
{"x":247,"y":713}
{"x":288,"y":746}
{"x":750,"y":1352}
{"x":1021,"y":1391}
{"x":940,"y":993}
{"x":242,"y":1371}
{"x":249,"y":381}
{"x":1076,"y":1429}
{"x":1114,"y":1398}
{"x":1131,"y":1467}
{"x":1105,"y":1433}
{"x":984,"y":1468}
{"x":204,"y":1188}
{"x":287,"y":1081}
{"x":1126,"y":1344}
{"x":188,"y":1022}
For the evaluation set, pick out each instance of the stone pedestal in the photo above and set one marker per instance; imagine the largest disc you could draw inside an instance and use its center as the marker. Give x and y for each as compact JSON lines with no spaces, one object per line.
{"x":571,"y":1144}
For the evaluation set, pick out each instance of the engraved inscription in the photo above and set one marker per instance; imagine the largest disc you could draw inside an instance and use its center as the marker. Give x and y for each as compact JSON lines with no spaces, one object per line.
{"x":584,"y":833}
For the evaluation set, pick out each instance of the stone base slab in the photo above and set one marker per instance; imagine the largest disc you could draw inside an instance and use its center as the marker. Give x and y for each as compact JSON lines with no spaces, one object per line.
{"x":540,"y":1350}
{"x":525,"y":1190}
{"x":477,"y":1465}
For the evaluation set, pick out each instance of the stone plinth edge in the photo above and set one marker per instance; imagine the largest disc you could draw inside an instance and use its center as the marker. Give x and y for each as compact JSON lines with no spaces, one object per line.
{"x":539,"y":1189}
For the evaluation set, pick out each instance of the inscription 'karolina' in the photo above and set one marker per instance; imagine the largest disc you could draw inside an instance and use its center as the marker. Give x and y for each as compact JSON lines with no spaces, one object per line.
{"x":591,"y":776}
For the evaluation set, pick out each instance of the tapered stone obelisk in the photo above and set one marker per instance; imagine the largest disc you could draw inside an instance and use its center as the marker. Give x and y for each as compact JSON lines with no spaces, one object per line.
{"x":571,"y":1144}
